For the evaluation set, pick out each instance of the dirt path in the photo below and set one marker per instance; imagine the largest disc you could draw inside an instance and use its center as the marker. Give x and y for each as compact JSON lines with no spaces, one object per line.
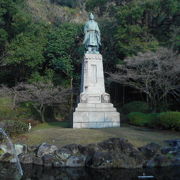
{"x":62,"y":136}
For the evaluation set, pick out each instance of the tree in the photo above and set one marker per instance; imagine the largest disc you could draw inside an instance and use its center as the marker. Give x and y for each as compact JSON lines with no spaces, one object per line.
{"x":24,"y":54}
{"x":154,"y":73}
{"x":143,"y":25}
{"x":62,"y":52}
{"x":61,"y":48}
{"x":39,"y":95}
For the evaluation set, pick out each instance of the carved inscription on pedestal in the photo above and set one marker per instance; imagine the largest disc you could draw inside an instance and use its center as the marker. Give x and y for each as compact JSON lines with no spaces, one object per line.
{"x":94,"y":74}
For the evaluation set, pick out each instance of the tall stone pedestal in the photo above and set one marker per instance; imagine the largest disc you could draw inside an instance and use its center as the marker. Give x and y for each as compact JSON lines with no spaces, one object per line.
{"x":94,"y":109}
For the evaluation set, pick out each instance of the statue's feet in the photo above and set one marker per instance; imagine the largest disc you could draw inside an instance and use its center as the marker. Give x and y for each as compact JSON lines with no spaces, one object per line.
{"x":95,"y":52}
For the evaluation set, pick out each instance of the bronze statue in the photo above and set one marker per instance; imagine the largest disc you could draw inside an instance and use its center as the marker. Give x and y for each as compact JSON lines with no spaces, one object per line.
{"x":92,"y":39}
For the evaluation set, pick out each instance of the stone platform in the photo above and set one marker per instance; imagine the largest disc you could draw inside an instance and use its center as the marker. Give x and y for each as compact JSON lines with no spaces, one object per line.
{"x":102,"y":115}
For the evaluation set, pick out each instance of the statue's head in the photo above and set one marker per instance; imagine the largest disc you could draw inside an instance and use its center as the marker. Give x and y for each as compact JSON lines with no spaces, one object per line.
{"x":91,"y":16}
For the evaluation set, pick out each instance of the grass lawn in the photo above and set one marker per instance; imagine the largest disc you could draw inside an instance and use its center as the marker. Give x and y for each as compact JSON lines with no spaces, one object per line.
{"x":59,"y":134}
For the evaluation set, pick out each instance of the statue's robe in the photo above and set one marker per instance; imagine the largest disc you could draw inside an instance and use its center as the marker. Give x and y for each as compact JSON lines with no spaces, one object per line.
{"x":92,"y":34}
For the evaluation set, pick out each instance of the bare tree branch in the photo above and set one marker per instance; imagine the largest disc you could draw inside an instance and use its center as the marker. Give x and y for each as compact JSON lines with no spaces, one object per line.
{"x":156,"y":74}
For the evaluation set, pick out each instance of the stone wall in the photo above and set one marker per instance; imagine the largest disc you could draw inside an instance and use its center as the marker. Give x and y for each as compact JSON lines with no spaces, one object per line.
{"x":112,"y":153}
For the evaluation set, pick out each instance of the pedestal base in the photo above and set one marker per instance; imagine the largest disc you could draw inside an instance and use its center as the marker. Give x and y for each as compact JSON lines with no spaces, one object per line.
{"x":102,"y":115}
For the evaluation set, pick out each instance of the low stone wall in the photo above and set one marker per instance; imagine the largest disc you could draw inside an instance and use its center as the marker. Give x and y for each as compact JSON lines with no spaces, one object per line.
{"x":111,"y":153}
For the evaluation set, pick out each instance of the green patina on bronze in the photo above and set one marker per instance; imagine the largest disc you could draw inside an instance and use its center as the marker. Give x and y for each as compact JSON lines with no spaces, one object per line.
{"x":92,"y":39}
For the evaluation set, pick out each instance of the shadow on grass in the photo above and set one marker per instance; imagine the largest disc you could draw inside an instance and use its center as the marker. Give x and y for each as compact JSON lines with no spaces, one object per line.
{"x":57,"y":124}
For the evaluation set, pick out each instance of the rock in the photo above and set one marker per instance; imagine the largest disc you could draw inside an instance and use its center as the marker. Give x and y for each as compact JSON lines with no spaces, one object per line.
{"x":176,"y":161}
{"x":32,"y":149}
{"x":37,"y":161}
{"x":173,"y":143}
{"x":151,"y":163}
{"x":116,"y":144}
{"x":90,"y":149}
{"x":46,"y":149}
{"x":5,"y":148}
{"x":6,"y":157}
{"x":2,"y":151}
{"x":100,"y":160}
{"x":48,"y":160}
{"x":166,"y":150}
{"x":159,"y":161}
{"x":115,"y":153}
{"x":150,"y":150}
{"x":76,"y":161}
{"x":20,"y":148}
{"x":63,"y":153}
{"x":74,"y":148}
{"x":58,"y":164}
{"x":26,"y":158}
{"x":115,"y":160}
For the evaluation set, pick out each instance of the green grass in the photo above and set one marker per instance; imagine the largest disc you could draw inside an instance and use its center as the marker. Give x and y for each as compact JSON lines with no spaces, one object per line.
{"x":54,"y":133}
{"x":52,"y":125}
{"x":6,"y":101}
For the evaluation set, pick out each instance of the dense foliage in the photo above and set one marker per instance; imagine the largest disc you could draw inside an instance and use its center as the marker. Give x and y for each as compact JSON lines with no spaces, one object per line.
{"x":163,"y":120}
{"x":13,"y":127}
{"x":142,"y":119}
{"x":169,"y":120}
{"x":136,"y":106}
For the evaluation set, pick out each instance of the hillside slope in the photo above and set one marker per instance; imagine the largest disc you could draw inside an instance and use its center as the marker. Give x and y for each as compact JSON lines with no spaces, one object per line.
{"x":53,"y":13}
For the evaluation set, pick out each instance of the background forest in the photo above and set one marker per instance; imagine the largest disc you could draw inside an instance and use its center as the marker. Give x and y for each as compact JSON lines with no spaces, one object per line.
{"x":41,"y":52}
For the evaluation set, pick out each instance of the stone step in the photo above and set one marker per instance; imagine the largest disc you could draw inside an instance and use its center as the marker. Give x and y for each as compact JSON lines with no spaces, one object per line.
{"x":96,"y":109}
{"x":95,"y":105}
{"x":96,"y":125}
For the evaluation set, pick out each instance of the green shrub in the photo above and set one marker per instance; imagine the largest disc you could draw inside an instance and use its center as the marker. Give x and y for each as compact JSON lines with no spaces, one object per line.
{"x":141,"y":119}
{"x":7,"y":113}
{"x":135,"y":106}
{"x":23,"y":111}
{"x":169,"y":120}
{"x":14,"y":126}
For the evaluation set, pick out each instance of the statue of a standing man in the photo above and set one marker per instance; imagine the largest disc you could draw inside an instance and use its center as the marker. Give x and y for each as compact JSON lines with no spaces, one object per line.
{"x":92,"y":38}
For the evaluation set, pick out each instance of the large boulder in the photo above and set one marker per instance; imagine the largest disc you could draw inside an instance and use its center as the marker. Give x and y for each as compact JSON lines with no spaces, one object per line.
{"x":6,"y":157}
{"x":37,"y":160}
{"x":20,"y":148}
{"x":45,"y":148}
{"x":73,"y":148}
{"x":173,"y":143}
{"x":63,"y":153}
{"x":48,"y":160}
{"x":150,"y":150}
{"x":32,"y":149}
{"x":26,"y":158}
{"x":160,"y":161}
{"x":76,"y":161}
{"x":58,"y":164}
{"x":100,"y":160}
{"x":116,"y":144}
{"x":89,"y":149}
{"x":116,"y":153}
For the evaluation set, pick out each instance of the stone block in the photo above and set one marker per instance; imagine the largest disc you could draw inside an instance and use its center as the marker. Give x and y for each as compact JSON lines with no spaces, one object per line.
{"x":116,"y":124}
{"x":77,"y":125}
{"x":89,"y":125}
{"x":100,"y":125}
{"x":86,"y":105}
{"x":96,"y":116}
{"x":104,"y":105}
{"x":108,"y":124}
{"x":112,"y":116}
{"x":80,"y":117}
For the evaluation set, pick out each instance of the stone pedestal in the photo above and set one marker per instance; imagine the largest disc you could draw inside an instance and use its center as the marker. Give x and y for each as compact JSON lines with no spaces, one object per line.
{"x":94,"y":109}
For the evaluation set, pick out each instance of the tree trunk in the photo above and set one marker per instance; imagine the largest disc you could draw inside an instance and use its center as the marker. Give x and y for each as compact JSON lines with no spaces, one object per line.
{"x":43,"y":114}
{"x":71,"y":102}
